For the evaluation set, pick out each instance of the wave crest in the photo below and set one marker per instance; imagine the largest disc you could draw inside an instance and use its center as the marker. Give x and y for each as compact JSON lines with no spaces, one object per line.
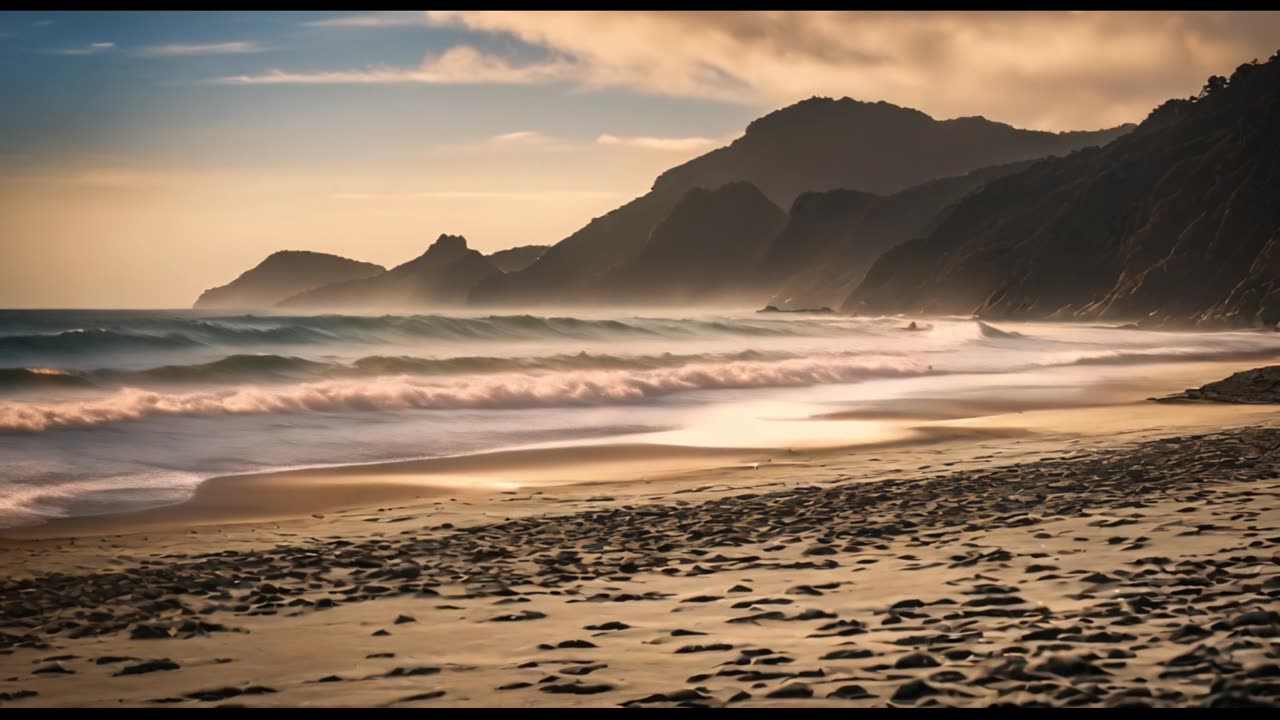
{"x":498,"y":391}
{"x":179,"y":333}
{"x":22,"y":378}
{"x":990,"y":331}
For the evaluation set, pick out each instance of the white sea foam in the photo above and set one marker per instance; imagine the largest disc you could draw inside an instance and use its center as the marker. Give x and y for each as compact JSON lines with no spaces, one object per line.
{"x":496,"y":391}
{"x":108,"y":410}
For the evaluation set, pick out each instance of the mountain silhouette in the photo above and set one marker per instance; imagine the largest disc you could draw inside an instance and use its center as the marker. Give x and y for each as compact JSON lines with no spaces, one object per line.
{"x":815,"y":145}
{"x":282,"y":275}
{"x":832,"y":237}
{"x":707,"y":249}
{"x":1176,"y":222}
{"x":441,"y":276}
{"x":516,"y":258}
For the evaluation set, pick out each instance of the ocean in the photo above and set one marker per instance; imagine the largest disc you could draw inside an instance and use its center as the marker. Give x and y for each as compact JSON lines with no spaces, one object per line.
{"x":105,"y":411}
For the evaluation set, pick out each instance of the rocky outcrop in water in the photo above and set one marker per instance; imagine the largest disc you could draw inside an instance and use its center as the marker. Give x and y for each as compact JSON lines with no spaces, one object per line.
{"x":1260,"y":386}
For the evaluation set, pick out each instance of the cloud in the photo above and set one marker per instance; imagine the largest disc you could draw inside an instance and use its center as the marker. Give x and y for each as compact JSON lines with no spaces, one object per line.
{"x":488,"y":194}
{"x":533,"y":140}
{"x":459,"y":65}
{"x":669,"y":144}
{"x":507,"y":143}
{"x":91,"y":49}
{"x":477,"y":194}
{"x":536,"y":140}
{"x":1045,"y":69}
{"x":184,"y":49}
{"x":371,"y":20}
{"x":520,"y":136}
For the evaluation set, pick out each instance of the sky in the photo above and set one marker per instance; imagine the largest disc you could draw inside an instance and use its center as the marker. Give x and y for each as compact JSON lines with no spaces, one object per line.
{"x":147,"y":156}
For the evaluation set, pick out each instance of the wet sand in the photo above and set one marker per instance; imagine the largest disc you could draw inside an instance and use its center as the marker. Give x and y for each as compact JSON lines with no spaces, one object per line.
{"x":1124,"y":555}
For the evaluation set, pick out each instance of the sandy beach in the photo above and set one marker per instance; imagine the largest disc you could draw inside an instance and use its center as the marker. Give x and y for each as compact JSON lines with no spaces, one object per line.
{"x":1122,"y":553}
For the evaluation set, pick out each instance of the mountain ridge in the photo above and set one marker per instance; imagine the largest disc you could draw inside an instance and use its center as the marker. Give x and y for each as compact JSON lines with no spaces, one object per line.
{"x":282,"y":274}
{"x":1175,"y":223}
{"x":818,"y":145}
{"x":439,"y":277}
{"x":814,"y":145}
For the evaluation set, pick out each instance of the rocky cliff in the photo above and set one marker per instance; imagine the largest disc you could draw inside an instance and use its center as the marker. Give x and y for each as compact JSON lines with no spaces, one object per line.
{"x":282,"y":275}
{"x":1177,"y":222}
{"x":440,"y":277}
{"x":815,"y":145}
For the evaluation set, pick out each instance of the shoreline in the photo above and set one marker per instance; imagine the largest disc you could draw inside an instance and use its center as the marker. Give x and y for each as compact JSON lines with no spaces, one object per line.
{"x":850,"y":418}
{"x":258,"y":498}
{"x":615,"y":465}
{"x":1119,"y":572}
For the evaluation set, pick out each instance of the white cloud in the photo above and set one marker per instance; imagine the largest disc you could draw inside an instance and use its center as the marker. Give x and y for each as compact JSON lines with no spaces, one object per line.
{"x":91,"y":49}
{"x":536,"y":140}
{"x":520,"y":136}
{"x":487,"y":194}
{"x":477,"y":194}
{"x":371,"y":20}
{"x":183,"y":49}
{"x":1048,"y":69}
{"x":525,"y":140}
{"x":669,"y":144}
{"x":459,"y":65}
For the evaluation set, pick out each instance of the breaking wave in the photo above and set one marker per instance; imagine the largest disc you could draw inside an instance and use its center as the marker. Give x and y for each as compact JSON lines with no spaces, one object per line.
{"x":23,"y":378}
{"x":239,"y":369}
{"x":496,"y":391}
{"x":989,"y":331}
{"x":1162,"y":354}
{"x":178,"y":333}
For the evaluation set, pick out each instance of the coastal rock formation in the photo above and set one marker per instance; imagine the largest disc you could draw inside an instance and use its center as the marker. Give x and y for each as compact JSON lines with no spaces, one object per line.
{"x":832,"y":237}
{"x":815,"y":145}
{"x":1260,"y":386}
{"x":442,"y":276}
{"x":706,"y":249}
{"x":282,"y":275}
{"x":1176,"y":222}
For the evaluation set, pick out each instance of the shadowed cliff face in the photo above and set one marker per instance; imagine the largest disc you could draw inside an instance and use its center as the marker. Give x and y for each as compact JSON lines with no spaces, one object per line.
{"x":816,"y":145}
{"x":1176,"y":222}
{"x":832,"y":237}
{"x":707,"y":249}
{"x":442,"y":276}
{"x":282,"y":275}
{"x":516,"y":258}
